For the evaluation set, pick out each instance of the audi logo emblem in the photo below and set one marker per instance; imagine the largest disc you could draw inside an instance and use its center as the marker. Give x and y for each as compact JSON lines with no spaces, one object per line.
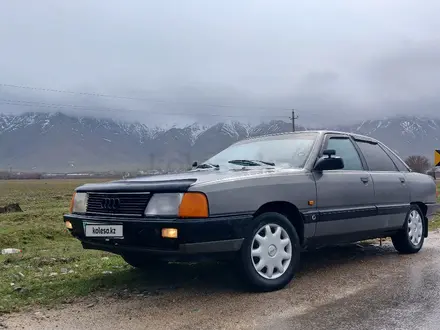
{"x":110,"y":203}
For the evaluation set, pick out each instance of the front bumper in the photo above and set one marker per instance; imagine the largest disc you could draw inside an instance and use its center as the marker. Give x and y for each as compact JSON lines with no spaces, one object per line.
{"x":195,"y":236}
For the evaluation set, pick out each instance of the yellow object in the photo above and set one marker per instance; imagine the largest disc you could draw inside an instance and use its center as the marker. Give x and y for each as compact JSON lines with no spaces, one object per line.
{"x":169,"y":233}
{"x":71,"y":202}
{"x":194,"y":205}
{"x":311,"y":203}
{"x":68,"y":224}
{"x":437,"y":158}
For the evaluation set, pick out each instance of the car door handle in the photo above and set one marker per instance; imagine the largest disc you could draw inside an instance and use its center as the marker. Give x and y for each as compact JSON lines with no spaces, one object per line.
{"x":364,"y":179}
{"x":402,"y":180}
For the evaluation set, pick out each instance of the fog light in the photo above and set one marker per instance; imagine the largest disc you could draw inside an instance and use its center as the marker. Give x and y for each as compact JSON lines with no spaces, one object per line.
{"x":69,"y":225}
{"x":169,"y":232}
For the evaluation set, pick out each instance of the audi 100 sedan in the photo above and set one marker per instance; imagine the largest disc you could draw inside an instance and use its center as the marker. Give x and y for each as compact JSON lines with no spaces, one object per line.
{"x":259,"y":203}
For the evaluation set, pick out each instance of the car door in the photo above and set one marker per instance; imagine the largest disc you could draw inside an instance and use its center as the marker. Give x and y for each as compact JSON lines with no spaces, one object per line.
{"x":345,"y":198}
{"x":391,"y":192}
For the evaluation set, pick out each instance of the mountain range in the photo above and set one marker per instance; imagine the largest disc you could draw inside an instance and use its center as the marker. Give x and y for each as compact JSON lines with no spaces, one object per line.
{"x":56,"y":142}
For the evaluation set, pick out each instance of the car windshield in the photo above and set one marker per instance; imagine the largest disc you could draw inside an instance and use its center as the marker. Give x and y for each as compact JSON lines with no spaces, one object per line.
{"x":287,"y":151}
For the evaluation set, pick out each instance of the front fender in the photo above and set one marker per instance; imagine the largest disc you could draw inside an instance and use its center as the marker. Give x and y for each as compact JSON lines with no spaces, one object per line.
{"x":248,"y":195}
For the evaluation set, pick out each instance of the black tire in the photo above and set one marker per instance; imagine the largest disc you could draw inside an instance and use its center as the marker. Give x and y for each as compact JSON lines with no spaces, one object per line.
{"x":141,"y":261}
{"x":254,"y":281}
{"x":402,"y":240}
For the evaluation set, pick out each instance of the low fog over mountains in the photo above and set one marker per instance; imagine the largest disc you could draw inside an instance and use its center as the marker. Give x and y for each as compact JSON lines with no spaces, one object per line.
{"x":60,"y":142}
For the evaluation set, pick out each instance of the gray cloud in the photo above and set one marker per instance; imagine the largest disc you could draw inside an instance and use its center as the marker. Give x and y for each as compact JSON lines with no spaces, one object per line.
{"x":333,"y":61}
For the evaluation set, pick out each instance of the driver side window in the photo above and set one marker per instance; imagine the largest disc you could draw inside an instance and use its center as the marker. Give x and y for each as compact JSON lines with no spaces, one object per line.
{"x":345,"y":149}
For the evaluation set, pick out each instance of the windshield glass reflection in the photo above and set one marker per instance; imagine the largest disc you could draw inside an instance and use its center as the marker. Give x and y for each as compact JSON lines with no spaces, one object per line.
{"x":289,"y":151}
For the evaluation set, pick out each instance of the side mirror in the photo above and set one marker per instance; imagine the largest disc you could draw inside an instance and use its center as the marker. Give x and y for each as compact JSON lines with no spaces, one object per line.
{"x":194,"y":164}
{"x":328,"y":163}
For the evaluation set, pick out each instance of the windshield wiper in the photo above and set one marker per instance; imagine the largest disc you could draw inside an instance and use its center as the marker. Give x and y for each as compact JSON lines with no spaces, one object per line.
{"x":208,"y":165}
{"x":247,"y":162}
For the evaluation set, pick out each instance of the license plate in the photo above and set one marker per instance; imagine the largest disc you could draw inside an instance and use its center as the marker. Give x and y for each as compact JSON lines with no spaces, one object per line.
{"x":103,"y":230}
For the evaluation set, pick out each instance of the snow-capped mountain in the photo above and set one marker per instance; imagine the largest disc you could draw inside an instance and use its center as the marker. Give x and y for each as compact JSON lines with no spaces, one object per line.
{"x":57,"y":142}
{"x":406,"y":135}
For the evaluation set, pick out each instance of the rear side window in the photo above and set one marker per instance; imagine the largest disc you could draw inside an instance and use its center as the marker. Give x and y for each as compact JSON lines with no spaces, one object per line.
{"x":345,"y":149}
{"x":400,"y":165}
{"x":375,"y":156}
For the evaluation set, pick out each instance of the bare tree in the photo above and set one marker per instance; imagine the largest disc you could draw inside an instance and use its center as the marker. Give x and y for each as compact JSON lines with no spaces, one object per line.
{"x":418,"y":164}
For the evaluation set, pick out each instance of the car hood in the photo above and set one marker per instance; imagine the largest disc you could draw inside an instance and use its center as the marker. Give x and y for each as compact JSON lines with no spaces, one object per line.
{"x":178,"y":181}
{"x":203,"y":176}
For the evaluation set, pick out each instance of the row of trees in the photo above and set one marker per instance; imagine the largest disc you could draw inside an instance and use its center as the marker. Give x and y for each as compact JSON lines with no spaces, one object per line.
{"x":19,"y":176}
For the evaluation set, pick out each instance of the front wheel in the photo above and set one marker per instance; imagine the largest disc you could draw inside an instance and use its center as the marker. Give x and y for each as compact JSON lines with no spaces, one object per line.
{"x":411,"y":238}
{"x":270,"y":254}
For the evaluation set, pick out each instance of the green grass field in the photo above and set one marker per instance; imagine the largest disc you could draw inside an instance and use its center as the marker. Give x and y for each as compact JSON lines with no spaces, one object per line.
{"x":53,"y":267}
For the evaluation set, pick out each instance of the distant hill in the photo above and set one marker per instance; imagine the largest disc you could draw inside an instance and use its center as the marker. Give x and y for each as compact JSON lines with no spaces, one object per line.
{"x":58,"y":142}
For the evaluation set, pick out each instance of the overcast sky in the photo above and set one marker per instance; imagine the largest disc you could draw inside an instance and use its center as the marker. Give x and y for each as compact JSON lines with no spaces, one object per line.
{"x":356,"y":59}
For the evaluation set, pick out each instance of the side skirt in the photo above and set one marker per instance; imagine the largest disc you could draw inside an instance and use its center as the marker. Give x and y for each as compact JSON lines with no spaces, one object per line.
{"x":322,"y":241}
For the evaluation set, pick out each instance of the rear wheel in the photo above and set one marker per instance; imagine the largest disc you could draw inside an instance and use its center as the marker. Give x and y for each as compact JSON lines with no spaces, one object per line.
{"x":141,"y":261}
{"x":411,"y":238}
{"x":270,"y":254}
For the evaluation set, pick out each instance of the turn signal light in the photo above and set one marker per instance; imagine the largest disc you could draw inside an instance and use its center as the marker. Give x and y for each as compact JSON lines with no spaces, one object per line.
{"x":169,"y":233}
{"x":71,"y":203}
{"x":68,"y":225}
{"x":194,"y":205}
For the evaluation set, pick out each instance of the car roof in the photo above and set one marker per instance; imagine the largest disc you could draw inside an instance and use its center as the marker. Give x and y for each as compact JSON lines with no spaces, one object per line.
{"x":320,"y":132}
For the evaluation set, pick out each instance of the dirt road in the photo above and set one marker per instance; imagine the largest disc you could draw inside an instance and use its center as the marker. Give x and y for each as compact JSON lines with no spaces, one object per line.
{"x":352,"y":287}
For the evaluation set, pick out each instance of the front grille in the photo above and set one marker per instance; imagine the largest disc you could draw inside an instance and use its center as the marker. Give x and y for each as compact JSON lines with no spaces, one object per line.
{"x":120,"y":204}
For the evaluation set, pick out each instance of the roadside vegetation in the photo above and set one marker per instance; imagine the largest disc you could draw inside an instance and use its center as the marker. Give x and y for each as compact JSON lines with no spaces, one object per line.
{"x":435,"y":224}
{"x":53,"y":268}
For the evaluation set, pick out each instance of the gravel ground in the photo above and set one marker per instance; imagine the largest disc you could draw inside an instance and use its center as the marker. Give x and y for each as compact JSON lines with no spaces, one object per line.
{"x":350,"y":287}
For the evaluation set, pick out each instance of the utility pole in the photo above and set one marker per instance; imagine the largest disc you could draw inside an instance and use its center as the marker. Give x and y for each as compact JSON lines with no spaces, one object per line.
{"x":293,"y":120}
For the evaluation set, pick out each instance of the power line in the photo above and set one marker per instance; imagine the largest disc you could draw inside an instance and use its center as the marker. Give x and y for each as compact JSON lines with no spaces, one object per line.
{"x":34,"y":104}
{"x":153,"y":100}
